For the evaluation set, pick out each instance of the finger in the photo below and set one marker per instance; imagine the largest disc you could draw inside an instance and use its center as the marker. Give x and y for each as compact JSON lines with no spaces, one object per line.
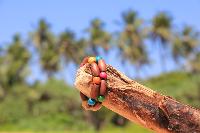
{"x":96,"y":107}
{"x":83,"y":97}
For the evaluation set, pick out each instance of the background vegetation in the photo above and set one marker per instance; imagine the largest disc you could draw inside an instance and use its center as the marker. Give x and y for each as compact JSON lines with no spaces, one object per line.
{"x":54,"y":104}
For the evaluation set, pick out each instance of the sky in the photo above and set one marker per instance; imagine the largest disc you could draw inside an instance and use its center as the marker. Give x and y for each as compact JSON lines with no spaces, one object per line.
{"x":21,"y":16}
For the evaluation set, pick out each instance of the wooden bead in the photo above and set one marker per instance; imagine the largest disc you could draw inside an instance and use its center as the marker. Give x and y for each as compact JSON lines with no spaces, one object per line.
{"x":98,"y":58}
{"x":85,"y":60}
{"x":91,"y":102}
{"x":103,"y":87}
{"x":91,"y":60}
{"x":96,"y":80}
{"x":83,"y":97}
{"x":94,"y":91}
{"x":102,"y":65}
{"x":103,"y":75}
{"x":101,"y":98}
{"x":95,"y":69}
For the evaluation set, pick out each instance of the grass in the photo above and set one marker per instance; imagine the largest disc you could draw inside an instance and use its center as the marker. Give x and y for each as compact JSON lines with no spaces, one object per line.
{"x":182,"y":86}
{"x":130,"y":128}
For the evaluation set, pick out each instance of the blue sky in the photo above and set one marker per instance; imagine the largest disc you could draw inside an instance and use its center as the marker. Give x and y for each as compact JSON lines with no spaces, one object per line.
{"x":22,"y":15}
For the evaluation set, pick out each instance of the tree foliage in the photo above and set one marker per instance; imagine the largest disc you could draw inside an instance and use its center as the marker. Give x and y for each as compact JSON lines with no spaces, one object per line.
{"x":186,"y":43}
{"x":46,"y":45}
{"x":131,"y":39}
{"x":54,"y":99}
{"x":98,"y":37}
{"x":14,"y":63}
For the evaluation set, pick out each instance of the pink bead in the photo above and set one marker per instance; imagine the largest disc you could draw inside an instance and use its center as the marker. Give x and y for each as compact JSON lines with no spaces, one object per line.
{"x":103,"y":75}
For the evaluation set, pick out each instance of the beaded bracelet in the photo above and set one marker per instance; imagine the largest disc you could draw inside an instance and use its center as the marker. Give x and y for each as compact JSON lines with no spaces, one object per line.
{"x":99,"y":76}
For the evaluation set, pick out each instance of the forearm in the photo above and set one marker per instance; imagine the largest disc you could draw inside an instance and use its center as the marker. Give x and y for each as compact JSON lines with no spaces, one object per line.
{"x":141,"y":104}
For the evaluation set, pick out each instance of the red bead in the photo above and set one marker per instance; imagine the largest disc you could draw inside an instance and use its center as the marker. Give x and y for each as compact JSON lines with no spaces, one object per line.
{"x":103,"y":75}
{"x":94,"y":91}
{"x":95,"y":69}
{"x":102,"y":65}
{"x":103,"y":87}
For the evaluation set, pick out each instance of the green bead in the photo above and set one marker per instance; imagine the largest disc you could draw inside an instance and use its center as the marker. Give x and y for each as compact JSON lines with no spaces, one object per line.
{"x":101,"y":98}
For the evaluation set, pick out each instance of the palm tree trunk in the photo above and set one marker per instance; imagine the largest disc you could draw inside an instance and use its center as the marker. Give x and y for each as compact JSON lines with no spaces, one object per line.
{"x":162,"y":57}
{"x":95,"y":50}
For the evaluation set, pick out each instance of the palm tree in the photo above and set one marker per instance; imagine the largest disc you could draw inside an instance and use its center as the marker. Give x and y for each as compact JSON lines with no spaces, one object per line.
{"x":47,"y":48}
{"x":185,"y":45}
{"x":80,"y":47}
{"x":195,"y":64}
{"x":14,"y":63}
{"x":98,"y":37}
{"x":161,"y":32}
{"x":131,"y":40}
{"x":66,"y":42}
{"x":68,"y":45}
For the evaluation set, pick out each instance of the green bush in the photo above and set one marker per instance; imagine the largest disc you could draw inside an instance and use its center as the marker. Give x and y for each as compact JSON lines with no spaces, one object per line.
{"x":55,"y":106}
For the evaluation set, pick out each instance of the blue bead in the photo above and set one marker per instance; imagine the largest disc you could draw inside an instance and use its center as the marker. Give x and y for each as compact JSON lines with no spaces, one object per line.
{"x":91,"y":102}
{"x":98,"y":58}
